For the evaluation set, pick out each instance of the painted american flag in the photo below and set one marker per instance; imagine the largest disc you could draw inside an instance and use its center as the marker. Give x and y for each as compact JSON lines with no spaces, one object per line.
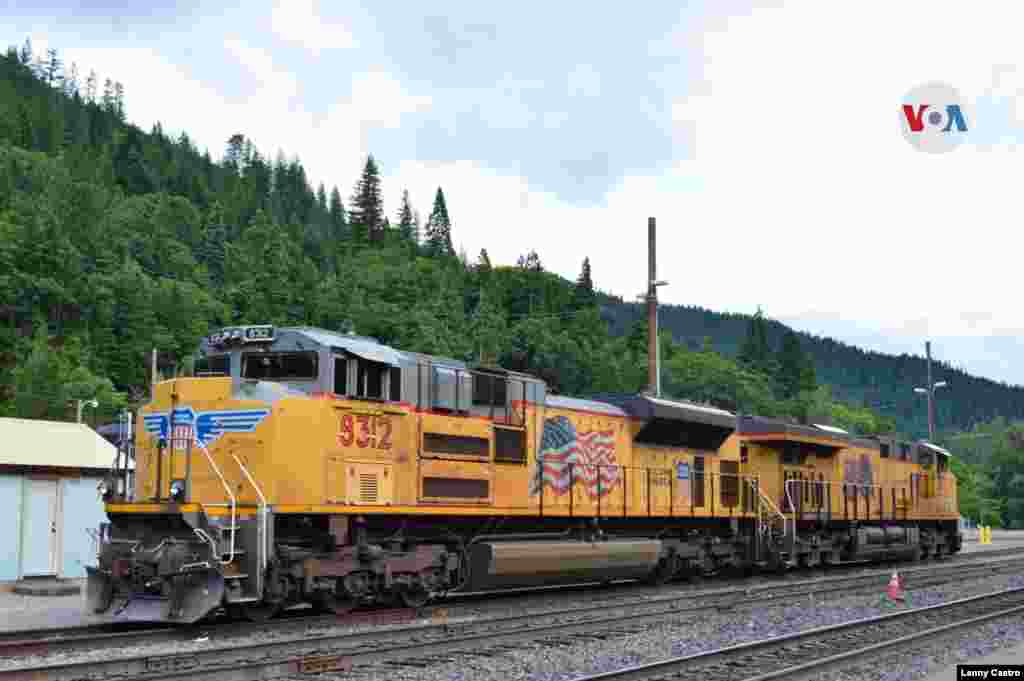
{"x":591,"y":455}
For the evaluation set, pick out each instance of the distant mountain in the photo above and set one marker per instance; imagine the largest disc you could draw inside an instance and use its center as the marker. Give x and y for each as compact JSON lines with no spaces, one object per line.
{"x":883,"y":382}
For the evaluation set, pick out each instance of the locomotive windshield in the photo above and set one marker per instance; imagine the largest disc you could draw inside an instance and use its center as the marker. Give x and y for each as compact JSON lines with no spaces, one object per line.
{"x":213,"y":365}
{"x":280,"y":366}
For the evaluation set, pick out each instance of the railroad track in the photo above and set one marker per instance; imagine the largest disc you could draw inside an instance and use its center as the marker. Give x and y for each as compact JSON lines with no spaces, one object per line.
{"x":809,"y":653}
{"x":70,"y":639}
{"x":430,"y":644}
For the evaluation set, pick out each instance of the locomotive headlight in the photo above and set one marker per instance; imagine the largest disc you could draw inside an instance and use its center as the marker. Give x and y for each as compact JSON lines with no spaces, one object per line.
{"x":177,"y":490}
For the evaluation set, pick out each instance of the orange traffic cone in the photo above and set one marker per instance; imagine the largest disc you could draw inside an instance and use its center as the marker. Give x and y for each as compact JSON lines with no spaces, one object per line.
{"x":895,"y":589}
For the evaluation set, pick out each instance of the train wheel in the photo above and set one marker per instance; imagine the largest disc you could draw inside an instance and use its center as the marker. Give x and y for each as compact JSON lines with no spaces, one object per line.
{"x":253,"y":612}
{"x":414,"y":597}
{"x":338,"y":602}
{"x":662,"y":572}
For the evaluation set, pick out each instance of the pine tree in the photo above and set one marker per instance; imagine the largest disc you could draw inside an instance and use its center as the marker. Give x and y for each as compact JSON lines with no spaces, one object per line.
{"x":792,"y":363}
{"x":336,"y":212}
{"x":233,"y":155}
{"x":213,"y":250}
{"x":54,"y":67}
{"x":755,"y":352}
{"x":90,"y":87}
{"x":26,"y":53}
{"x":71,"y":82}
{"x":321,"y":198}
{"x":530,"y":262}
{"x":405,"y":219}
{"x":439,"y":228}
{"x":108,"y":96}
{"x":367,"y":211}
{"x":483,"y":263}
{"x":583,"y":294}
{"x":119,"y":101}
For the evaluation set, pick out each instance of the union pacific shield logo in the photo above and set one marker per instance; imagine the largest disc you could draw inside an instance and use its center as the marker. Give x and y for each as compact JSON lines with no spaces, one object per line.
{"x":205,"y":427}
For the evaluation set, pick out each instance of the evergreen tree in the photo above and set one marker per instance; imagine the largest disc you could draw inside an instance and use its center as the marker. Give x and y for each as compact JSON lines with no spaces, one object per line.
{"x":530,"y":262}
{"x":483,"y":263}
{"x":336,"y":213}
{"x":756,"y":354}
{"x":439,"y":228}
{"x":366,"y":214}
{"x":583,"y":294}
{"x":90,"y":87}
{"x":213,"y":251}
{"x":793,"y":375}
{"x":405,"y":219}
{"x":54,"y":66}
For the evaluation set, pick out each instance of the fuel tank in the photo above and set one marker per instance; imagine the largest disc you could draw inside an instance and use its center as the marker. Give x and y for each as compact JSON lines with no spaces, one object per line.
{"x":533,"y":563}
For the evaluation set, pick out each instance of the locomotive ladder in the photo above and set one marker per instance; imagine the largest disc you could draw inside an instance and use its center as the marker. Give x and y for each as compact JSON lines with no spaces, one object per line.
{"x":768,"y":514}
{"x":262,"y":514}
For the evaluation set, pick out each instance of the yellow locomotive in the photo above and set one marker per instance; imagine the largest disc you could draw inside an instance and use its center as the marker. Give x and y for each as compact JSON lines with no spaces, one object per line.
{"x":303,"y":465}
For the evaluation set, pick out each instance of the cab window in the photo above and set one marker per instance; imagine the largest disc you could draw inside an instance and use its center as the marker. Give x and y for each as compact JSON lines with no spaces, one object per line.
{"x":365,"y":379}
{"x":280,"y":366}
{"x":213,"y":365}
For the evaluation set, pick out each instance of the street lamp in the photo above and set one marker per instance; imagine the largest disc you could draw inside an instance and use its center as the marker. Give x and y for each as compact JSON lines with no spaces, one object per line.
{"x":83,"y":403}
{"x":651,"y":298}
{"x":930,"y":392}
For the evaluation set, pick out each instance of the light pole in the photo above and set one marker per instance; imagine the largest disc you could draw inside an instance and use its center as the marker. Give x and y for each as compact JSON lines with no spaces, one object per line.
{"x":82,"y":403}
{"x":930,"y":392}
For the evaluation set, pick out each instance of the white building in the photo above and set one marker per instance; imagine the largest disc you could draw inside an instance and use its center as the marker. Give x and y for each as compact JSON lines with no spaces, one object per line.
{"x":49,"y":501}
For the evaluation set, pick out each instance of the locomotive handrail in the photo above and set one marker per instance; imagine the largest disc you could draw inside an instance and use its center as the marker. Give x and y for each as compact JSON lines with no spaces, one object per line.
{"x":756,"y":486}
{"x":262,"y":548}
{"x":227,"y":488}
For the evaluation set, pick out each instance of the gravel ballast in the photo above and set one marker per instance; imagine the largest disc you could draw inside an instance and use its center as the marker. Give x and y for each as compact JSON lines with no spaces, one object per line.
{"x":688,"y":635}
{"x":537,"y":662}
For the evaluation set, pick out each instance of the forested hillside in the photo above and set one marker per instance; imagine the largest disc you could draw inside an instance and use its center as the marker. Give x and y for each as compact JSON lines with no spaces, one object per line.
{"x":115,"y":240}
{"x":883,"y":382}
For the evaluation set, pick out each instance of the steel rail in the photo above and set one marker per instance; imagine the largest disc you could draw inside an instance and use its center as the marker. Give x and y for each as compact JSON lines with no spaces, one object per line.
{"x":338,"y":652}
{"x":860,"y":637}
{"x":50,"y":641}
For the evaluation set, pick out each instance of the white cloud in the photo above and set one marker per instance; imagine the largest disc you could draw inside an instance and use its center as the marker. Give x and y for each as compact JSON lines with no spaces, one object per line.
{"x":812,"y":200}
{"x":298,"y":21}
{"x":273,"y":81}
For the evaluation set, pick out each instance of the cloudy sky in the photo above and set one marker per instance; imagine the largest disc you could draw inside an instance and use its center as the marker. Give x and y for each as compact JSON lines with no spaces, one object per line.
{"x":765,"y":138}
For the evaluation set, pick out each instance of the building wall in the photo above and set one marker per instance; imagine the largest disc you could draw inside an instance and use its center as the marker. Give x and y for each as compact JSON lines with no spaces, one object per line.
{"x":79,"y":512}
{"x":10,"y":526}
{"x":82,"y":512}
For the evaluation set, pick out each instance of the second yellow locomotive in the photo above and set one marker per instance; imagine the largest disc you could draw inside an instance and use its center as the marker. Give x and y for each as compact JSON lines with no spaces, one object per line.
{"x":303,"y":465}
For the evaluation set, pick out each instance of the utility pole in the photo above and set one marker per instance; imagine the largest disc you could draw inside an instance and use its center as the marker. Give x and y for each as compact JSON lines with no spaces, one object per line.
{"x":82,"y":403}
{"x":931,"y":393}
{"x":651,"y":297}
{"x":653,"y":365}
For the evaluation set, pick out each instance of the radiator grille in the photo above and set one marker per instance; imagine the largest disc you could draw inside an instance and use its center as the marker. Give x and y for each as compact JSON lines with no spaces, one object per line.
{"x":369,"y":488}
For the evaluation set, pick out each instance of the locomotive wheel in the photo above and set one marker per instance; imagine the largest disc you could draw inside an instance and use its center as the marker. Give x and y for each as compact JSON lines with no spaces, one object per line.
{"x":333,"y":604}
{"x":662,"y":572}
{"x":339,"y":602}
{"x":414,"y":597}
{"x":253,"y":612}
